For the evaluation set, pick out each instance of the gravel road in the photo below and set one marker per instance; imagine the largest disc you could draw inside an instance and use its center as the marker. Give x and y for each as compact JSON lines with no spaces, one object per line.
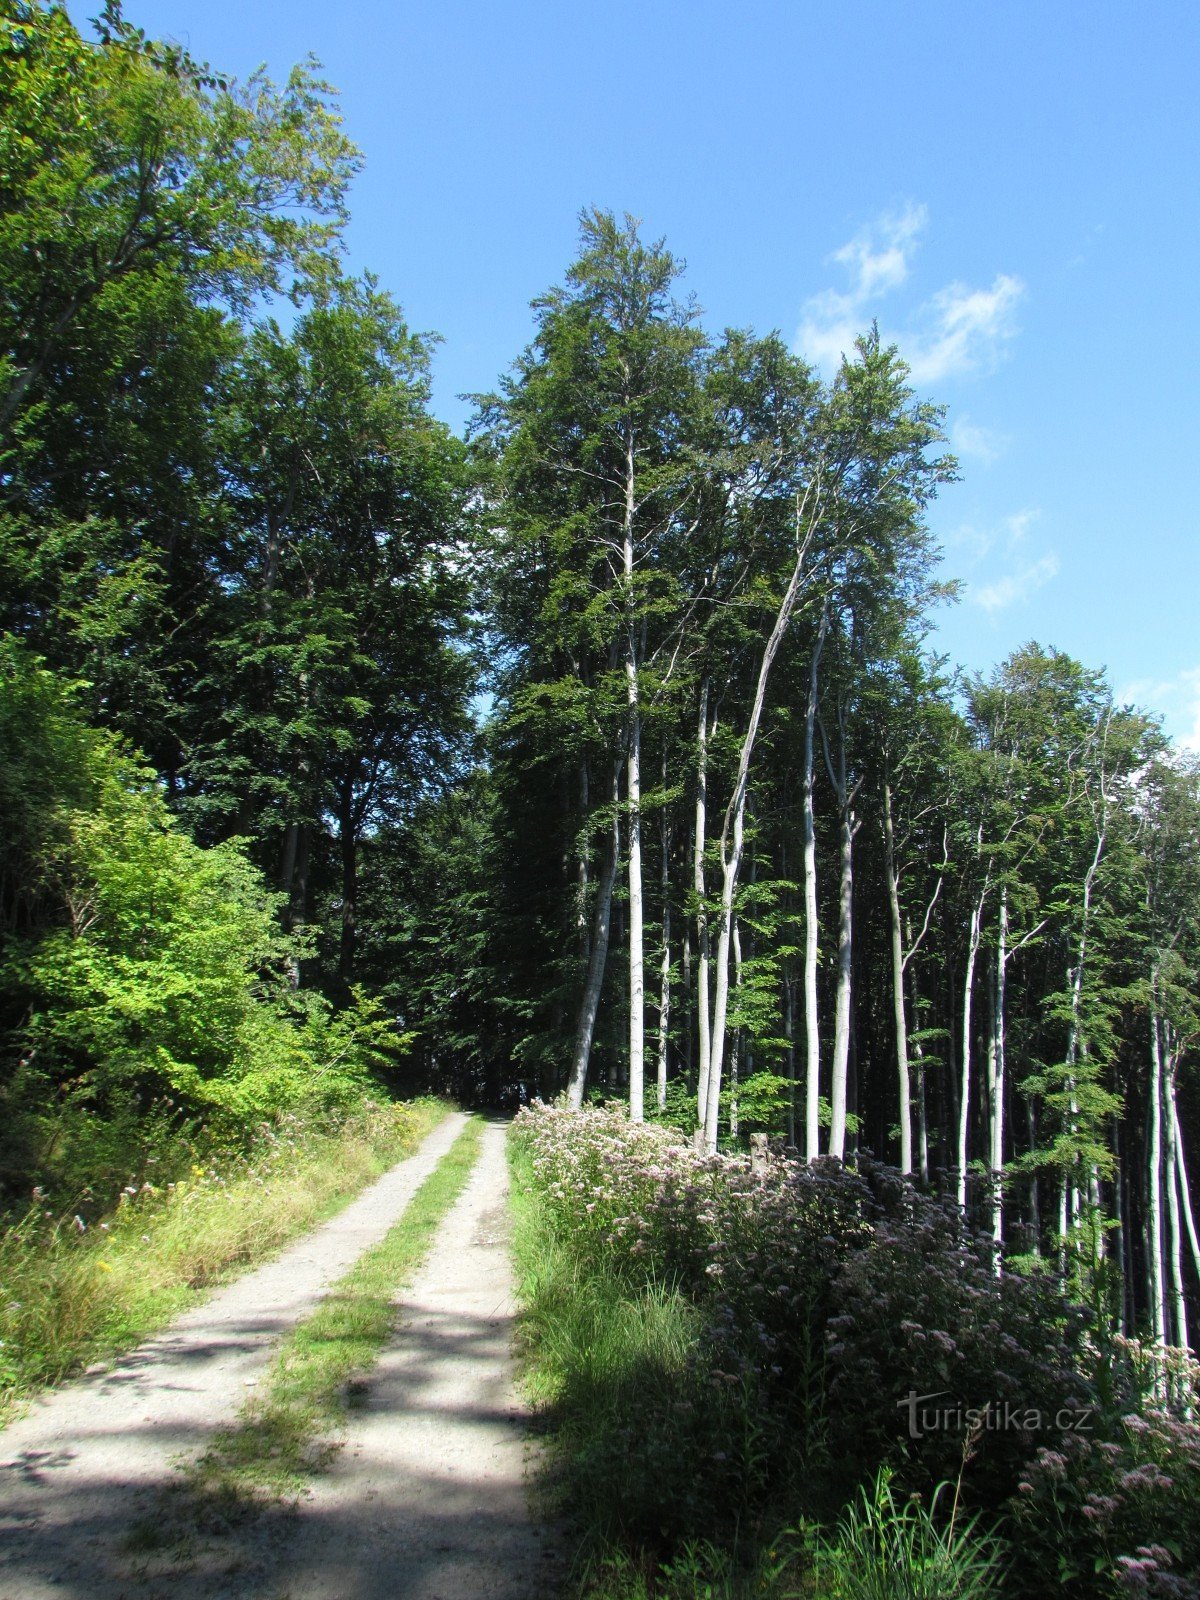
{"x":426,"y":1500}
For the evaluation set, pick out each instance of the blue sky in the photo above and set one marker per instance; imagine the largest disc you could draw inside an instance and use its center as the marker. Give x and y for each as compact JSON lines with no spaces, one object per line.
{"x":1009,"y":187}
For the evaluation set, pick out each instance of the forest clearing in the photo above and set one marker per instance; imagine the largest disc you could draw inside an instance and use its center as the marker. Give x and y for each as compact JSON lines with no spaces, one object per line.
{"x":552,"y":1042}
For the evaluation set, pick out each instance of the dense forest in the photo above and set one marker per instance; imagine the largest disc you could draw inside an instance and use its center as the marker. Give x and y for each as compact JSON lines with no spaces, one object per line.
{"x":601,"y":753}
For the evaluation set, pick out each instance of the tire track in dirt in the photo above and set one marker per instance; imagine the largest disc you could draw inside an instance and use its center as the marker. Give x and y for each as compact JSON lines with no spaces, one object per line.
{"x":78,"y":1471}
{"x":428,"y":1500}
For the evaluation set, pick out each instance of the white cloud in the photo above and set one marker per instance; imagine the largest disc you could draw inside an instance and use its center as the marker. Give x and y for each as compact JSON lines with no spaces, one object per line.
{"x":966,"y":330}
{"x":1016,"y":528}
{"x":973,"y":442}
{"x":959,"y":330}
{"x":879,"y":254}
{"x":978,"y":543}
{"x":1017,"y":586}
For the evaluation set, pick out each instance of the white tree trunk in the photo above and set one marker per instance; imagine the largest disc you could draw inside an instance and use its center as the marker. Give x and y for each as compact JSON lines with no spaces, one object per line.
{"x":1185,"y":1193}
{"x":922,"y":1109}
{"x":1155,"y":1284}
{"x":841,"y":1024}
{"x":735,"y":1055}
{"x":996,"y":1154}
{"x":733,"y":831}
{"x":812,"y":1035}
{"x":902,"y":1069}
{"x":964,"y":1099}
{"x":598,"y":955}
{"x":1178,"y":1325}
{"x":637,"y":981}
{"x":664,"y":976}
{"x":703,"y":1013}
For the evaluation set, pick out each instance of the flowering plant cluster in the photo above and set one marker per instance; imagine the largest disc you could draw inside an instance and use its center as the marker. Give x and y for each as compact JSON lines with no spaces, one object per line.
{"x":826,"y":1296}
{"x":1123,"y":1506}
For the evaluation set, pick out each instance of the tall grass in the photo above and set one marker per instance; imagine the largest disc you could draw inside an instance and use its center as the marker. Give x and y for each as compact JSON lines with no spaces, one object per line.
{"x":617,"y":1370}
{"x":889,"y":1548}
{"x":73,"y":1293}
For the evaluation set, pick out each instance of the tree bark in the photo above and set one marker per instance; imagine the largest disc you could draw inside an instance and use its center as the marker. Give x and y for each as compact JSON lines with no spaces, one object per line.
{"x":598,"y":954}
{"x":703,"y":1014}
{"x":733,"y":831}
{"x":902,"y":1071}
{"x":1185,"y":1193}
{"x":637,"y":982}
{"x":1179,"y":1325}
{"x":964,"y":1098}
{"x":1155,"y":1285}
{"x":996,"y":1154}
{"x":841,"y":1029}
{"x":812,"y":1036}
{"x":664,"y":986}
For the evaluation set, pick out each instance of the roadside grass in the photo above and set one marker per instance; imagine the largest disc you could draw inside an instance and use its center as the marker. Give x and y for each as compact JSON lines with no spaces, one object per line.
{"x":287,"y":1429}
{"x":72,"y":1294}
{"x":593,"y":1352}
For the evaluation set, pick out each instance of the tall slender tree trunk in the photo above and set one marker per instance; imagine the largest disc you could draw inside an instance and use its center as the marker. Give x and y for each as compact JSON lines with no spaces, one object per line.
{"x":664,"y":984}
{"x":582,"y":923}
{"x":841,"y":1029}
{"x":735,"y":1048}
{"x":964,"y":1098}
{"x":812,"y":1035}
{"x":598,"y":952}
{"x":689,"y":1020}
{"x":699,"y":840}
{"x":732,"y":860}
{"x":922,"y":1105}
{"x":996,"y":1153}
{"x":637,"y":979}
{"x":1185,"y":1193}
{"x":1178,"y":1323}
{"x":901,"y":1024}
{"x":1155,"y":1285}
{"x":733,"y":832}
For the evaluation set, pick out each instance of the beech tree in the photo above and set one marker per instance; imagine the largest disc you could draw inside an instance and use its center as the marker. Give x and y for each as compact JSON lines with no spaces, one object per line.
{"x":130,"y":159}
{"x":591,"y":432}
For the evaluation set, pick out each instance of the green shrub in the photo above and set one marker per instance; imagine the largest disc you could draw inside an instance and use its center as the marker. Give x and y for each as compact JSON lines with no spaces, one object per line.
{"x":805,"y":1304}
{"x":144,"y":982}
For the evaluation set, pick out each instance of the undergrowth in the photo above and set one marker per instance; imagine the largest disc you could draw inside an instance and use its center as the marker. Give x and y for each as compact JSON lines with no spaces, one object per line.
{"x":74,"y":1291}
{"x":725,"y":1351}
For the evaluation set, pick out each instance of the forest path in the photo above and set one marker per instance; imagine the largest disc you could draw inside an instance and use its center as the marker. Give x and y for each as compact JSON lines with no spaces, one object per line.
{"x":426,"y":1499}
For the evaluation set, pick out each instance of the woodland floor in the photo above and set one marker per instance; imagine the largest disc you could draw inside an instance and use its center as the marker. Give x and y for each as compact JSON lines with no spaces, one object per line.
{"x":427,"y":1498}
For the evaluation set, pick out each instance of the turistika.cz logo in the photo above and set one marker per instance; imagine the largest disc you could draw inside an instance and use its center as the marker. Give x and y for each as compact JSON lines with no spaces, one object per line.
{"x":997,"y":1416}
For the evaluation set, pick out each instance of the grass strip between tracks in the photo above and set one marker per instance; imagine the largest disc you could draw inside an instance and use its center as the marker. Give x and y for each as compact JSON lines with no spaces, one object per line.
{"x":287,"y":1430}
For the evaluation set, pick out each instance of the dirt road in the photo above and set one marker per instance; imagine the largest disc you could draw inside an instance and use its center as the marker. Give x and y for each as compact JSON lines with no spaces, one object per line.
{"x":426,"y":1500}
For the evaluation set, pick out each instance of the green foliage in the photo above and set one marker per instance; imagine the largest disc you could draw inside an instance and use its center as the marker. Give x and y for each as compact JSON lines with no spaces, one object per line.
{"x":769,"y":1340}
{"x":885,"y":1548}
{"x":139,"y":970}
{"x":129,"y":158}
